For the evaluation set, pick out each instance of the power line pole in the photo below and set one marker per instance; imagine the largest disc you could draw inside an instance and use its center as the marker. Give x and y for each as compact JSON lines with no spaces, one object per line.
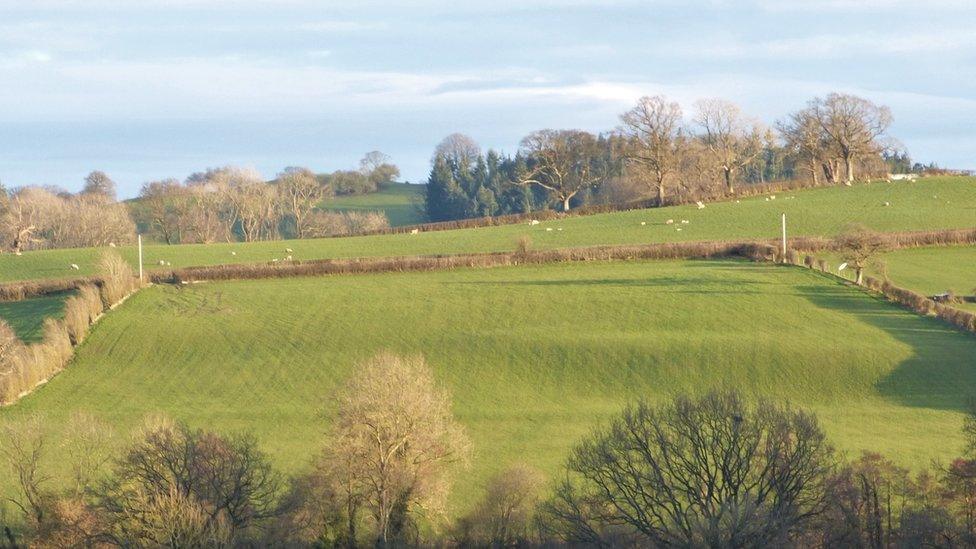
{"x":784,"y":237}
{"x":140,"y":258}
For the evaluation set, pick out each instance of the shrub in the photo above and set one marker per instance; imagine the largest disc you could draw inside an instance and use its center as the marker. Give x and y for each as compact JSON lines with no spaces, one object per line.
{"x":117,"y":279}
{"x":523,"y":245}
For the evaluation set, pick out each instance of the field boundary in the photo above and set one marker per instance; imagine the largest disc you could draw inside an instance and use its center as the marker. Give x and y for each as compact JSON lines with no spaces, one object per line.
{"x":907,"y":299}
{"x":759,"y":249}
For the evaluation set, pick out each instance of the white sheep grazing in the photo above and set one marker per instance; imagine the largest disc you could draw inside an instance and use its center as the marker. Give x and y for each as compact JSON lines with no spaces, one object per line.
{"x":643,"y":223}
{"x":111,"y":244}
{"x":548,"y":229}
{"x":233,"y":253}
{"x":18,"y":252}
{"x":700,"y":205}
{"x":772,"y":196}
{"x":887,"y":203}
{"x":559,"y":229}
{"x":767,"y":199}
{"x":669,"y":222}
{"x":275,"y":260}
{"x":288,"y":258}
{"x":289,"y":250}
{"x":415,"y":231}
{"x":161,"y":262}
{"x":685,"y":222}
{"x":168,"y":264}
{"x":679,"y":228}
{"x":75,"y":266}
{"x":534,"y":222}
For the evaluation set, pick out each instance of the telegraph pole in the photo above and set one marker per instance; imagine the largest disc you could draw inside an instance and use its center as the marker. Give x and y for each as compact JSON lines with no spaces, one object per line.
{"x":140,"y":258}
{"x":784,"y":237}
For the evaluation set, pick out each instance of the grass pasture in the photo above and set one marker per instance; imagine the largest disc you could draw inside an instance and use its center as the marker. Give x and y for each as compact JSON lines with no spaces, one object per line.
{"x":399,"y":201}
{"x":535,"y":356}
{"x":26,"y":317}
{"x":935,"y":203}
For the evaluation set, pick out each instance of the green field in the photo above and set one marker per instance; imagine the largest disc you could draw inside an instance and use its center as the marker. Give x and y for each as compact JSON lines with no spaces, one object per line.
{"x":928,"y":271}
{"x":27,"y":317}
{"x":399,"y":201}
{"x":936,"y":203}
{"x":535,"y":356}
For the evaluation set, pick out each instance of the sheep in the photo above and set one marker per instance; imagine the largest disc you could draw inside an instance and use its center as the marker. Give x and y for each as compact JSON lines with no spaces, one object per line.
{"x":772,"y":197}
{"x":685,"y":222}
{"x":18,"y":252}
{"x":233,"y":253}
{"x":559,"y":229}
{"x":767,"y":199}
{"x":548,"y":229}
{"x":738,"y":201}
{"x":288,"y":258}
{"x":289,"y":250}
{"x":887,"y":203}
{"x":534,"y":222}
{"x":161,"y":263}
{"x":75,"y":266}
{"x":275,"y":260}
{"x":679,"y":228}
{"x":701,"y":206}
{"x":669,"y":222}
{"x":643,"y":223}
{"x":415,"y":231}
{"x":168,"y":264}
{"x":111,"y":244}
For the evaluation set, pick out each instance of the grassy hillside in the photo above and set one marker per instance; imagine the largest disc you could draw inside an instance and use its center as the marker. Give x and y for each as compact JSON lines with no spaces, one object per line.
{"x":27,"y":317}
{"x":535,"y":356}
{"x":930,"y":271}
{"x":397,"y":200}
{"x":935,"y":203}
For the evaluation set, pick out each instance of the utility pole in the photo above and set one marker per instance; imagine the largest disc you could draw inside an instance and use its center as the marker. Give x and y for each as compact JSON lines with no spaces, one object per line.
{"x":784,"y":237}
{"x":140,"y":258}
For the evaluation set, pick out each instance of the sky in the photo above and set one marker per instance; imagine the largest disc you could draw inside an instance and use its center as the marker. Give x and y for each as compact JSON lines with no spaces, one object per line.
{"x":151,"y":89}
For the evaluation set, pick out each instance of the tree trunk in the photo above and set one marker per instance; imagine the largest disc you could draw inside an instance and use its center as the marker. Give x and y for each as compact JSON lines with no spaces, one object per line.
{"x":728,"y":181}
{"x":660,"y":193}
{"x":859,"y":276}
{"x":849,"y":165}
{"x":813,"y":173}
{"x":566,"y":203}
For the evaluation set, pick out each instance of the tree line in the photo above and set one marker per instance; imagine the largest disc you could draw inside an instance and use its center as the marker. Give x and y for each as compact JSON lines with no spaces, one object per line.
{"x":656,"y":152}
{"x":714,"y":470}
{"x":216,"y":205}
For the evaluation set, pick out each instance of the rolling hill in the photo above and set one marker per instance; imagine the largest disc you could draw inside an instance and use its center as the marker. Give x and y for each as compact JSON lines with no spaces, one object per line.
{"x":399,"y":201}
{"x":934,"y":203}
{"x":534,"y":355}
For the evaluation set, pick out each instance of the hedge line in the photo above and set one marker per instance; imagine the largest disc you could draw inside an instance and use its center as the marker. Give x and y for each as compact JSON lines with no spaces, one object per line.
{"x":677,"y":250}
{"x":24,"y":367}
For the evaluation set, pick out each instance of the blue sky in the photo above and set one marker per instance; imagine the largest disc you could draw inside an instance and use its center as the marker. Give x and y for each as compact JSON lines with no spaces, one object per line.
{"x":146,"y":89}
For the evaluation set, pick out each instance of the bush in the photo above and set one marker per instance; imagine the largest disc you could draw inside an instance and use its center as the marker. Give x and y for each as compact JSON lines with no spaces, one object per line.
{"x":117,"y":279}
{"x":505,"y":516}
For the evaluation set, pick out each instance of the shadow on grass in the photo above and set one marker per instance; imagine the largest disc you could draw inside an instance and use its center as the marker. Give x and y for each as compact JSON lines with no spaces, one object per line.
{"x":940,"y":374}
{"x":26,"y":317}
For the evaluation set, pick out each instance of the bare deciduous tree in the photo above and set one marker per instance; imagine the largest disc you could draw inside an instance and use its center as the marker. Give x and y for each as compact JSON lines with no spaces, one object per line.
{"x":458,"y":149}
{"x":710,"y":472}
{"x":858,"y":246}
{"x":854,"y":124}
{"x":299,"y":191}
{"x":166,"y":206}
{"x":805,"y":138}
{"x":504,"y":517}
{"x":564,"y":162}
{"x":396,"y":432}
{"x":87,"y":449}
{"x":99,"y":184}
{"x":21,"y":449}
{"x":220,"y":486}
{"x":733,"y":140}
{"x":654,"y":127}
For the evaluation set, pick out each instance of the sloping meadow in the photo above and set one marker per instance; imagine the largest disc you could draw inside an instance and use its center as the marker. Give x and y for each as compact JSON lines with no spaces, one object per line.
{"x":534,"y":355}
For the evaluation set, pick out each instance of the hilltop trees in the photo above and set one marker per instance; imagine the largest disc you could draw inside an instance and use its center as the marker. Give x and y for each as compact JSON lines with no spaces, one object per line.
{"x":97,"y":183}
{"x":733,"y":140}
{"x":299,"y":191}
{"x":853,"y":124}
{"x":564,"y":163}
{"x":657,"y":139}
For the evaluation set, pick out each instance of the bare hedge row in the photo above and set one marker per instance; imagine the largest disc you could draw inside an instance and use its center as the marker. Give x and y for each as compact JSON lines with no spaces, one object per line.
{"x":17,"y":291}
{"x":677,"y":250}
{"x":23,"y":367}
